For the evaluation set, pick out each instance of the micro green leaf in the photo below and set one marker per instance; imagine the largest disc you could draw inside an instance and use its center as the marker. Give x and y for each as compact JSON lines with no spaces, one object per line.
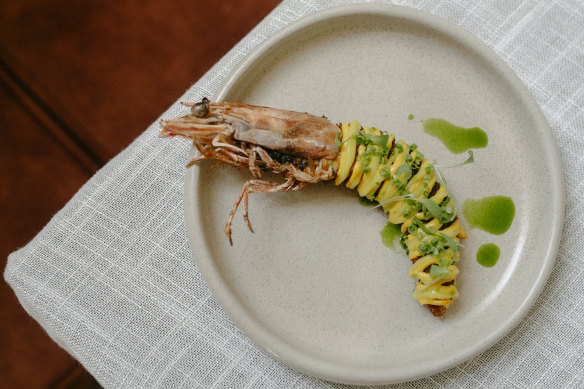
{"x":338,"y":139}
{"x":380,"y":140}
{"x":404,"y":169}
{"x":432,"y":207}
{"x":451,"y":243}
{"x":437,"y":271}
{"x":470,"y":159}
{"x":444,"y":262}
{"x":422,"y":226}
{"x":438,"y":173}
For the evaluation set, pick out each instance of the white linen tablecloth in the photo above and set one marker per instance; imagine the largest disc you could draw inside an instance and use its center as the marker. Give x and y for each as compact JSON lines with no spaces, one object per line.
{"x":113,"y":281}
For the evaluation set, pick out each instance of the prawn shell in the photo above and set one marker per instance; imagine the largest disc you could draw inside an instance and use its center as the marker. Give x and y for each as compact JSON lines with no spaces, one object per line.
{"x":295,"y":133}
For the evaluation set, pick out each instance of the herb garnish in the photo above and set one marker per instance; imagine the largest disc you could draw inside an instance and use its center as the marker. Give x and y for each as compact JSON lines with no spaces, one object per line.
{"x":470,"y":159}
{"x":380,"y":140}
{"x":436,"y":246}
{"x":366,"y":139}
{"x":404,"y":169}
{"x":338,"y":138}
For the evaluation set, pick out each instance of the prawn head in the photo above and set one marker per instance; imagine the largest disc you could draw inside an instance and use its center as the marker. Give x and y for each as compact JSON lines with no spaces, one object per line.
{"x":292,"y":133}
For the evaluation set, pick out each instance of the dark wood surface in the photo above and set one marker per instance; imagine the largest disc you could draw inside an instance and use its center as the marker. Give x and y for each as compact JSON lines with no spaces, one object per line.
{"x":78,"y":81}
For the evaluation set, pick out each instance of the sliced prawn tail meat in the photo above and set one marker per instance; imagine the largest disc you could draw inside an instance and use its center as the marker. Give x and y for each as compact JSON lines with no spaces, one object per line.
{"x":298,"y":145}
{"x":404,"y":183}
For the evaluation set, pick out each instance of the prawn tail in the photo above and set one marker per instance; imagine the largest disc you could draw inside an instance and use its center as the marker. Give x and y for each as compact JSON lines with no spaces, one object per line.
{"x":404,"y":183}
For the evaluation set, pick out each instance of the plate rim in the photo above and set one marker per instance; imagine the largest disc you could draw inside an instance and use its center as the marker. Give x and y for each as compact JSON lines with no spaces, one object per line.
{"x":289,"y":354}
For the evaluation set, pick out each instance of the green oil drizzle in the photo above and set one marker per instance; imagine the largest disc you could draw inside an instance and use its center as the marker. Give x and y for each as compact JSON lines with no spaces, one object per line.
{"x":456,"y":139}
{"x":411,"y":117}
{"x":389,"y":234}
{"x":493,"y":214}
{"x":488,"y":255}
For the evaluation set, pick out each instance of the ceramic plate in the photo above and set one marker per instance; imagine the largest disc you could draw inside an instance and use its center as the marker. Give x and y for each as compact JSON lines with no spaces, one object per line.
{"x":314,"y":286}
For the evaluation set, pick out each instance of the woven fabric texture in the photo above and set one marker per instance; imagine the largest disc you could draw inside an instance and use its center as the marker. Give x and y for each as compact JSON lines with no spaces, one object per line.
{"x":113,"y":281}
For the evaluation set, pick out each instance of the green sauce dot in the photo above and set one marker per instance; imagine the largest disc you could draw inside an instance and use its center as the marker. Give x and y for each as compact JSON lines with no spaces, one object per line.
{"x":456,"y":139}
{"x":493,"y":214}
{"x":488,"y":255}
{"x":411,"y":117}
{"x":389,"y":234}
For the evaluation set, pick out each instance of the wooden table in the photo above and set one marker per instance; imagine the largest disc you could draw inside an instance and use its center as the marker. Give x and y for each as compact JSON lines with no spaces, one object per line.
{"x":79,"y":80}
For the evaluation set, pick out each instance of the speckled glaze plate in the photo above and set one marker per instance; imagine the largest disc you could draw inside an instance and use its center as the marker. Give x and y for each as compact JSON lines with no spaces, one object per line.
{"x":314,"y":286}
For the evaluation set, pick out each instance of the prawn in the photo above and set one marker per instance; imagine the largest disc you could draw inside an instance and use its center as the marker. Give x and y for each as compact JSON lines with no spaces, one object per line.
{"x":307,"y":149}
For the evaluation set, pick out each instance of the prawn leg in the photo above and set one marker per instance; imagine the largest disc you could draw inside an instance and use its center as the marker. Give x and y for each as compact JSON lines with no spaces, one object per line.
{"x":258,"y":186}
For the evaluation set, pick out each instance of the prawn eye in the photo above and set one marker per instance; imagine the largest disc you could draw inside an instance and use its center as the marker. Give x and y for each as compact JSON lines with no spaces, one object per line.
{"x":201,"y":109}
